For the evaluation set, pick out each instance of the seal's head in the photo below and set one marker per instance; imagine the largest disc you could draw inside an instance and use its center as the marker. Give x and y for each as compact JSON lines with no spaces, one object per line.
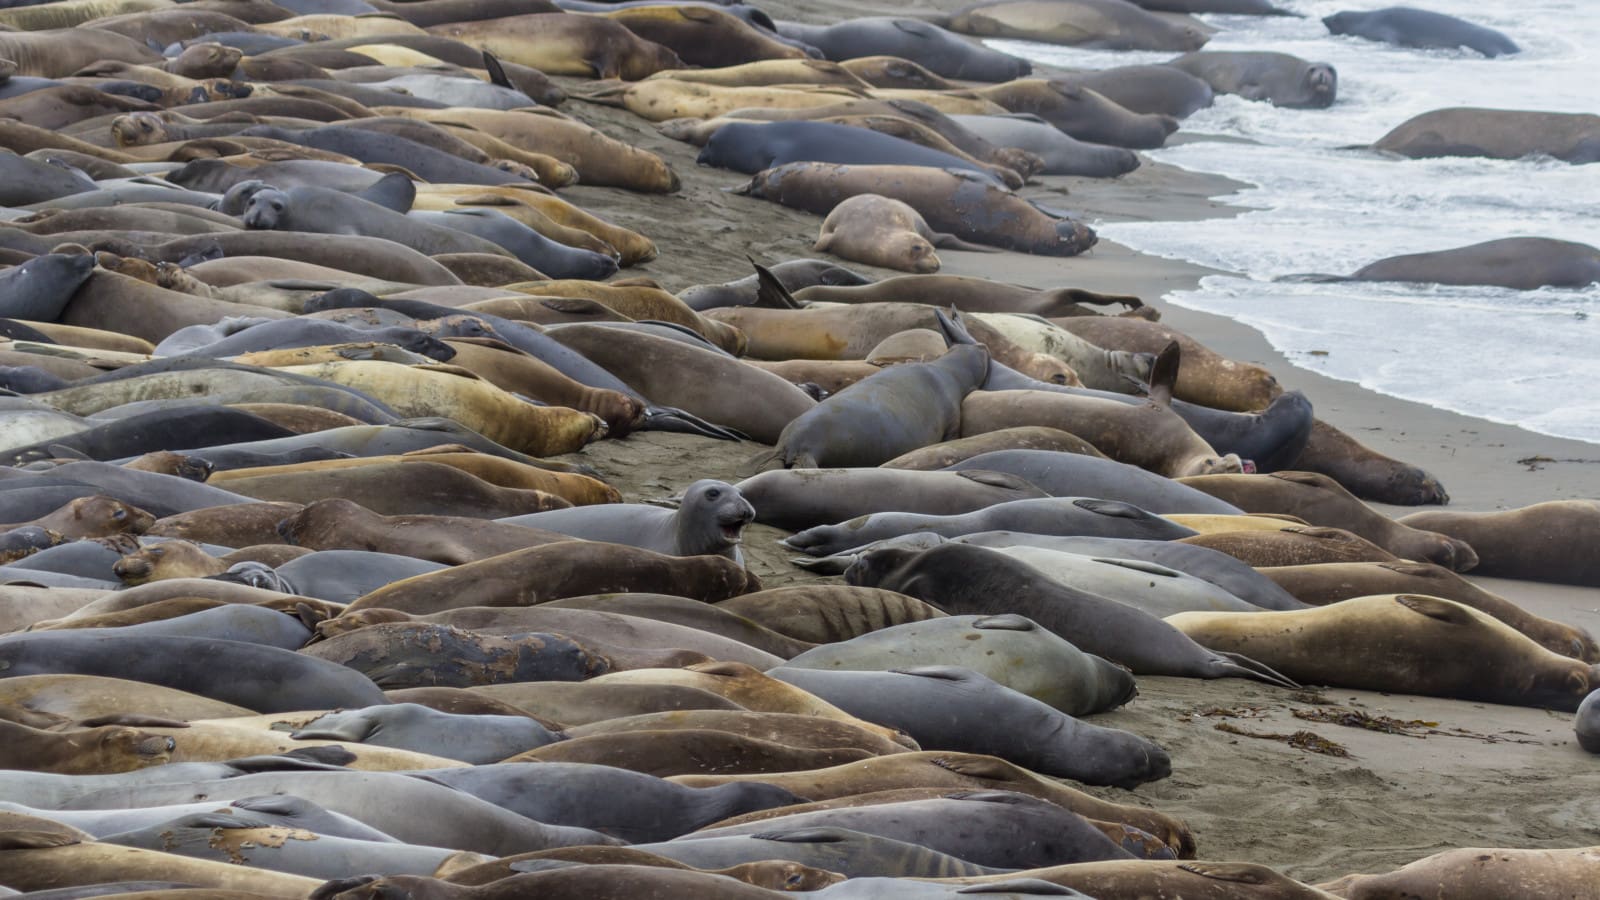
{"x":712,"y":517}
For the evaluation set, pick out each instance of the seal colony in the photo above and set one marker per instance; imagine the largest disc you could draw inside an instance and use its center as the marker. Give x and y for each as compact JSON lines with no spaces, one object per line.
{"x":368,"y":533}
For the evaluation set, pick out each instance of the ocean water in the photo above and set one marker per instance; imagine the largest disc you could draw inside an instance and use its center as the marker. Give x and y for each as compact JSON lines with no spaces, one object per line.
{"x":1528,"y":358}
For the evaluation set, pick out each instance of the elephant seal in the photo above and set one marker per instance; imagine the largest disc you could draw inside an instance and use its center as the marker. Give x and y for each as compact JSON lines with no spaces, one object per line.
{"x":927,"y":45}
{"x":1094,"y":24}
{"x":39,"y":289}
{"x":1407,"y":27}
{"x":1016,"y":831}
{"x":689,"y":751}
{"x":581,"y":703}
{"x":1018,"y":728}
{"x":894,"y":411}
{"x":750,"y":147}
{"x":1062,"y":153}
{"x":1587,"y":723}
{"x":1054,"y":515}
{"x":1403,"y":643}
{"x":1156,"y":878}
{"x":827,"y":613}
{"x":1522,"y":264}
{"x":1470,"y":872}
{"x":853,"y":853}
{"x":789,"y":729}
{"x":306,"y":208}
{"x":420,"y":654}
{"x":1535,"y":542}
{"x":1293,"y":545}
{"x":452,"y":540}
{"x":966,"y":294}
{"x":243,"y":674}
{"x":88,"y":751}
{"x":567,"y":569}
{"x":94,"y":516}
{"x":565,"y":44}
{"x":959,"y":772}
{"x":1153,"y":90}
{"x":631,"y":806}
{"x":1028,"y":437}
{"x":707,"y":36}
{"x":973,"y":580}
{"x":1278,"y":78}
{"x":1365,"y":472}
{"x":1322,"y":502}
{"x":91,"y":865}
{"x":883,"y":232}
{"x":1156,"y":589}
{"x":793,"y":274}
{"x":450,"y":491}
{"x":1496,"y":134}
{"x":239,"y":525}
{"x":794,"y":499}
{"x":709,"y":521}
{"x":1082,"y":113}
{"x":1077,"y":475}
{"x":475,"y":739}
{"x":705,"y":618}
{"x":1325,"y":583}
{"x":956,"y":202}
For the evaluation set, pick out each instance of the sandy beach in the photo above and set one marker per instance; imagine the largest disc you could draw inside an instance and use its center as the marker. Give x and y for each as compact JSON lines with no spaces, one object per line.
{"x":1461,"y":775}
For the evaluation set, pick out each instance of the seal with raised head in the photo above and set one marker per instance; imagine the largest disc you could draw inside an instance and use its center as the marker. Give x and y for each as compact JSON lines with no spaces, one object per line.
{"x":883,"y":232}
{"x":709,"y":521}
{"x":1278,"y":78}
{"x":1407,"y":27}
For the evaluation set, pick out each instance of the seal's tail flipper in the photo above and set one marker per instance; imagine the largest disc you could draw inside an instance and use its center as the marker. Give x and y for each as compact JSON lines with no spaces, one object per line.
{"x":770,"y":292}
{"x":1164,"y":374}
{"x":497,"y":72}
{"x":667,"y":418}
{"x":604,"y":93}
{"x":765,"y":461}
{"x":950,"y":242}
{"x":1241,"y":666}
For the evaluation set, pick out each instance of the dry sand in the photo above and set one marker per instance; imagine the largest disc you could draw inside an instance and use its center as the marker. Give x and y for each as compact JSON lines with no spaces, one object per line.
{"x":1503,"y":777}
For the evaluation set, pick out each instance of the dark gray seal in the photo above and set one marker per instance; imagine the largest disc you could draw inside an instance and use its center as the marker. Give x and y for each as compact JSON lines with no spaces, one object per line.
{"x":973,"y":580}
{"x":320,"y":210}
{"x":893,"y":411}
{"x":794,"y":275}
{"x":1407,"y":27}
{"x":278,"y":809}
{"x":188,"y":428}
{"x":1522,"y":264}
{"x":749,"y":147}
{"x":991,"y":828}
{"x":928,"y":45}
{"x":551,"y":258}
{"x":1152,"y":90}
{"x":1587,"y":723}
{"x":928,"y":702}
{"x":709,"y":520}
{"x":1278,"y":78}
{"x":265,"y":679}
{"x":631,"y":806}
{"x":803,"y":498}
{"x":232,"y":622}
{"x":38,"y":290}
{"x":1054,"y":515}
{"x":375,"y":147}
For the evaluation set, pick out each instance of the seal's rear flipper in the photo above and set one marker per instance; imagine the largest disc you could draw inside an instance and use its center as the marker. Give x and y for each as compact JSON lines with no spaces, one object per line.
{"x":604,"y":93}
{"x":497,"y":72}
{"x":393,"y":191}
{"x":765,"y":461}
{"x":770,"y":292}
{"x":666,"y":418}
{"x":1164,"y":374}
{"x":950,"y":242}
{"x":1241,"y":666}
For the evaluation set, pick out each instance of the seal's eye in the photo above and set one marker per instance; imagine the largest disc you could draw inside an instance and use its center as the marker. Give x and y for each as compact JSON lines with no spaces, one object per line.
{"x":713,"y":494}
{"x":794,"y":881}
{"x":119,"y":515}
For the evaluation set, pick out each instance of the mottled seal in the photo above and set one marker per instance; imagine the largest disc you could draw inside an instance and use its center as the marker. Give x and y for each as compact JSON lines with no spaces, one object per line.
{"x":1405,"y":643}
{"x":826,"y":613}
{"x":420,"y":654}
{"x":973,"y":580}
{"x":709,"y":521}
{"x":1420,"y":28}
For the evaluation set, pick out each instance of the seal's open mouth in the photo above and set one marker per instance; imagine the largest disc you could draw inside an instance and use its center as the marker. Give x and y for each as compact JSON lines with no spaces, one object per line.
{"x":733,"y":532}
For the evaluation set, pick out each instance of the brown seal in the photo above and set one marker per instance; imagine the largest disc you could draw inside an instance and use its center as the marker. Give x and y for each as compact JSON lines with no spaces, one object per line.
{"x":825,"y":613}
{"x":704,"y":36}
{"x":1321,"y":501}
{"x":343,"y":525}
{"x":1294,"y":545}
{"x":88,"y":751}
{"x":1550,"y":541}
{"x":1162,"y":878}
{"x":786,"y":729}
{"x":1150,"y":435}
{"x":1400,"y":643}
{"x":960,"y":771}
{"x":564,"y":44}
{"x":463,"y":702}
{"x":1206,"y":377}
{"x":1326,"y":583}
{"x":1082,"y":113}
{"x":168,"y":559}
{"x":486,"y":269}
{"x":151,"y":612}
{"x":777,"y":875}
{"x":1365,"y":472}
{"x":979,"y":295}
{"x":831,"y":375}
{"x":894,"y":72}
{"x":690,"y":751}
{"x":1025,"y":437}
{"x":579,"y":703}
{"x":662,"y":99}
{"x":80,"y":697}
{"x":752,"y":689}
{"x":638,"y":299}
{"x":296,"y":418}
{"x":235,"y":525}
{"x":880,"y":231}
{"x":512,"y":370}
{"x":91,"y":517}
{"x":435,"y":489}
{"x":95,"y":863}
{"x":1472,"y":872}
{"x":568,"y":569}
{"x":769,"y":73}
